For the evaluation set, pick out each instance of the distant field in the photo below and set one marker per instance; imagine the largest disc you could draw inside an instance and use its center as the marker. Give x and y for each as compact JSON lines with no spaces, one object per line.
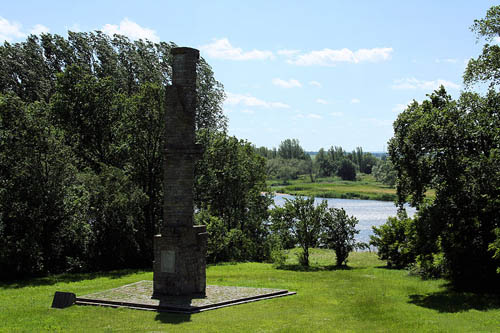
{"x":365,"y":297}
{"x":333,"y":187}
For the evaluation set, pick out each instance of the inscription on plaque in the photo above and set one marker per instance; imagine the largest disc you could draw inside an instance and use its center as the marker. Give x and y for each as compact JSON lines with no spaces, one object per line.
{"x":168,"y":261}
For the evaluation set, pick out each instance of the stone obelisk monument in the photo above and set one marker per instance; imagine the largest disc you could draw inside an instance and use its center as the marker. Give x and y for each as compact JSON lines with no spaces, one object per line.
{"x":179,"y":251}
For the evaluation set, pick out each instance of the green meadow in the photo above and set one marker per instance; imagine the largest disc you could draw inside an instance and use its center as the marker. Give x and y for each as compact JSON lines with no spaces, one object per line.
{"x":365,"y":297}
{"x":365,"y":187}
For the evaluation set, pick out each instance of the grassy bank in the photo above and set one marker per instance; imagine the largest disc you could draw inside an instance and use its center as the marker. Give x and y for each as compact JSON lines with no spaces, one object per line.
{"x":333,"y":187}
{"x":364,"y":298}
{"x":366,"y":187}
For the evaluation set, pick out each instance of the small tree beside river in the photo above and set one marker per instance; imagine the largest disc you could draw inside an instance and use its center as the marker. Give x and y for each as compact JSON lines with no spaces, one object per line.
{"x":300,"y":222}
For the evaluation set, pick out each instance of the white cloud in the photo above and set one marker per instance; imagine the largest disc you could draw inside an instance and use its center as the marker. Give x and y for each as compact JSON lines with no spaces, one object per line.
{"x":288,"y":53}
{"x":222,"y":49}
{"x":248,"y":100}
{"x":314,"y":116}
{"x":329,"y":57}
{"x":247,"y":111}
{"x":321,"y":101}
{"x":355,"y":101}
{"x":10,"y":31}
{"x":132,"y":30}
{"x":39,"y":29}
{"x":279,"y":105}
{"x":447,"y":60}
{"x":292,"y":83}
{"x":413,"y":83}
{"x":337,"y":114}
{"x":315,"y":83}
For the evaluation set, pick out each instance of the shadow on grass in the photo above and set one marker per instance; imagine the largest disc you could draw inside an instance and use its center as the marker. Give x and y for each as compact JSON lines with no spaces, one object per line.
{"x":65,"y":278}
{"x":173,"y":318}
{"x":451,"y":301}
{"x":300,"y":268}
{"x":389,"y":267}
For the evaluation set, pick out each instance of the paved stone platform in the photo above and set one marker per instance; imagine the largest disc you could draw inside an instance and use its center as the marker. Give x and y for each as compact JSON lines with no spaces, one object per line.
{"x":138,"y":296}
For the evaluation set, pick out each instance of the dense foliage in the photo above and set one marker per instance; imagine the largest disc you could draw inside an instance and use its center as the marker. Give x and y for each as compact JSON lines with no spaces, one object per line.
{"x":230,"y":182}
{"x":384,"y":172}
{"x":81,"y":126}
{"x":290,"y":161}
{"x":338,"y":233}
{"x":453,"y":147}
{"x":301,"y":222}
{"x":395,"y":241}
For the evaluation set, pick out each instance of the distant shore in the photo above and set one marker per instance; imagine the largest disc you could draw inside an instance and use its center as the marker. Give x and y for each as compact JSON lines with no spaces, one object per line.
{"x":364,"y":188}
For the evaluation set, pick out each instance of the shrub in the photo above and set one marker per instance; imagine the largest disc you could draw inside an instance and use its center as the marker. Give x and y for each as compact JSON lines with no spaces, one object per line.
{"x":338,"y":233}
{"x":395,"y":241}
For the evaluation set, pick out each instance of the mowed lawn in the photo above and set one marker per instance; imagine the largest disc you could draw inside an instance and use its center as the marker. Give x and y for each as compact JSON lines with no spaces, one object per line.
{"x":366,"y":297}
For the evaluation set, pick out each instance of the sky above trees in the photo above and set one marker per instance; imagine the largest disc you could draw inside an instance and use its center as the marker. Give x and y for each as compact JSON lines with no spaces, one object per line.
{"x":324,"y":72}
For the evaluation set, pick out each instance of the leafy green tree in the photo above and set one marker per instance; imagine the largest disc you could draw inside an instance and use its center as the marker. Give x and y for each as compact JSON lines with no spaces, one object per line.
{"x":486,"y":67}
{"x":302,"y":220}
{"x":218,"y":240}
{"x":369,"y":161}
{"x":287,"y":169}
{"x":267,"y":153}
{"x":338,"y":233}
{"x":384,"y":172}
{"x":290,"y":148}
{"x":230,"y":181}
{"x":452,"y":147}
{"x":98,"y":104}
{"x":115,"y":213}
{"x":36,"y":171}
{"x":396,"y":240}
{"x":347,"y":170}
{"x":324,"y":164}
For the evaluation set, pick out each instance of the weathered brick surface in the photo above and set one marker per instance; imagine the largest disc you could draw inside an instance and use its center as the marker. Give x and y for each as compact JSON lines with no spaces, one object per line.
{"x":181,"y":246}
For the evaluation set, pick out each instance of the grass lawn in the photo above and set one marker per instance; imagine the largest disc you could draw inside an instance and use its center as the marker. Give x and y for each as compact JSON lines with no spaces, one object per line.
{"x":366,"y":187}
{"x":366,"y":297}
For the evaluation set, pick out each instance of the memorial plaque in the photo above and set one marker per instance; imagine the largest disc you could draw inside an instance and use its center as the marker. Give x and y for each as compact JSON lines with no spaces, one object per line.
{"x":168,"y":261}
{"x":63,"y":300}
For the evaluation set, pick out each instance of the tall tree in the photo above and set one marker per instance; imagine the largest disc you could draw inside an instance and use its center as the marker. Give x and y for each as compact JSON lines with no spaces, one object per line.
{"x":100,"y":101}
{"x":486,"y":67}
{"x":452,"y":147}
{"x":291,"y":148}
{"x":230,"y":181}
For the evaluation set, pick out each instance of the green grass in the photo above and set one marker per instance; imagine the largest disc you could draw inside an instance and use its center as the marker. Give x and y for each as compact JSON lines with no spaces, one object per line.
{"x":366,"y":297}
{"x":366,"y":187}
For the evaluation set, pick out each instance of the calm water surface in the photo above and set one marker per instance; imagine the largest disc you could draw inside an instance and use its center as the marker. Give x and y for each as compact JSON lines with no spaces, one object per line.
{"x":368,"y":212}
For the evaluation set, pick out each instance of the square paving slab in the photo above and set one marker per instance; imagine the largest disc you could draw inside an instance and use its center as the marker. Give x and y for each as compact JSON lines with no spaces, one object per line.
{"x":138,"y":296}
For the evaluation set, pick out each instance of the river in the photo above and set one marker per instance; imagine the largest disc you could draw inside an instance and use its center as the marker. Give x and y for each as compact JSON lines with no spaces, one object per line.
{"x":368,"y":212}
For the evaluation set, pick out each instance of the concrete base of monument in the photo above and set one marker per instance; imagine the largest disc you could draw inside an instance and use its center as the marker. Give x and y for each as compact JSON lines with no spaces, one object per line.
{"x":138,"y":296}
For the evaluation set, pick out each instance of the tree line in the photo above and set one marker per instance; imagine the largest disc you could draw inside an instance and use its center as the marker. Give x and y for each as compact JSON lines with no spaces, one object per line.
{"x":290,"y":160}
{"x":82,"y":121}
{"x":81,"y":156}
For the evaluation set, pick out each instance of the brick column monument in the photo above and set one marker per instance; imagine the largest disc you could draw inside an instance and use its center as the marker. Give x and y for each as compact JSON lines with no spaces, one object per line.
{"x":180,"y":250}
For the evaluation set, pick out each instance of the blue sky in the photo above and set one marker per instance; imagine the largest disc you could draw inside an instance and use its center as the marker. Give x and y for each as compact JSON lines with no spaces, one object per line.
{"x":324,"y":72}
